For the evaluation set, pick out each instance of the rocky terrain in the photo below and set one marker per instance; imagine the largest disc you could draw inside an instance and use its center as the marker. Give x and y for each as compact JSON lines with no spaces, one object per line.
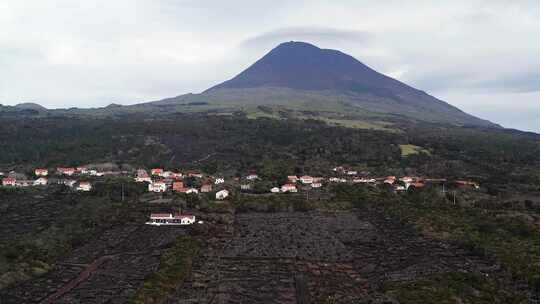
{"x":288,"y":257}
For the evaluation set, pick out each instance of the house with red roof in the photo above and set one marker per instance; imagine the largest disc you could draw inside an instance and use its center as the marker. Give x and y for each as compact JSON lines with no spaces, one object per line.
{"x":9,"y":181}
{"x":66,"y":171}
{"x":41,"y":172}
{"x":157,"y":171}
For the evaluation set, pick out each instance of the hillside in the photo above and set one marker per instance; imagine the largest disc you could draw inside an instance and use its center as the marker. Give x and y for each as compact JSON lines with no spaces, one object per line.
{"x":299,"y":80}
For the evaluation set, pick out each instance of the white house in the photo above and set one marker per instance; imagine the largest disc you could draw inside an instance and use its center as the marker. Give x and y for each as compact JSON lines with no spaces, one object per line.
{"x":69,"y":182}
{"x":42,"y":181}
{"x":157,"y":187}
{"x":84,"y":186}
{"x":274,"y":190}
{"x":252,"y":176}
{"x":220,"y":195}
{"x":306,"y":179}
{"x":158,"y":219}
{"x":192,"y":191}
{"x":289,"y":188}
{"x":219,"y":180}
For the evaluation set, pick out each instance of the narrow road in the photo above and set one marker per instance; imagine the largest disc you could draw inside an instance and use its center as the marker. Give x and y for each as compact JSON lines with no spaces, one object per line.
{"x":83,"y":276}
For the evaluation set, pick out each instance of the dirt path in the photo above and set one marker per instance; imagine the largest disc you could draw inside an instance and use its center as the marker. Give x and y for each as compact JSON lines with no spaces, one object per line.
{"x":83,"y":276}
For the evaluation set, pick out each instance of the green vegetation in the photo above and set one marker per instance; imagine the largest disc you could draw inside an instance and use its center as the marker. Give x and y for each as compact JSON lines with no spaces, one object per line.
{"x":407,"y":150}
{"x":175,"y":267}
{"x":451,"y":288}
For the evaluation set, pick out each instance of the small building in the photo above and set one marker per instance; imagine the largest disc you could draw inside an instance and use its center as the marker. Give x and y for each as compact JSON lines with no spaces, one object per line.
{"x":66,"y":171}
{"x":82,"y":170}
{"x":157,"y":187}
{"x":292,"y":179}
{"x":158,"y":219}
{"x":142,"y":176}
{"x":245,"y":187}
{"x":84,"y":186}
{"x":9,"y":181}
{"x":390,"y":180}
{"x":69,"y":182}
{"x":41,"y":172}
{"x":195,"y":174}
{"x":417,"y":185}
{"x":157,"y":171}
{"x":42,"y":181}
{"x":221,"y":195}
{"x":178,"y":187}
{"x":274,"y":190}
{"x":219,"y":180}
{"x":352,"y":172}
{"x":306,"y":179}
{"x":400,"y":188}
{"x":206,"y":188}
{"x":467,"y":184}
{"x":192,"y":191}
{"x":289,"y":188}
{"x":316,"y":185}
{"x":176,"y":175}
{"x":252,"y":177}
{"x":23,"y":183}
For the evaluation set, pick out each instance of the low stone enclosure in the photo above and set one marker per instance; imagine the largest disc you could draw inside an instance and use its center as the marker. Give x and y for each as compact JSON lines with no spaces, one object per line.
{"x":296,"y":257}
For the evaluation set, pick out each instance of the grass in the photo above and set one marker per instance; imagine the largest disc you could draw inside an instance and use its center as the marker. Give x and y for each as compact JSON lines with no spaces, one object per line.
{"x":451,"y":288}
{"x":175,"y":266}
{"x":407,"y":150}
{"x":360,"y":124}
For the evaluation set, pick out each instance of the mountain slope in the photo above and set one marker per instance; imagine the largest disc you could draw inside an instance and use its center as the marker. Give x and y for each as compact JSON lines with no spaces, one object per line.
{"x":308,"y":70}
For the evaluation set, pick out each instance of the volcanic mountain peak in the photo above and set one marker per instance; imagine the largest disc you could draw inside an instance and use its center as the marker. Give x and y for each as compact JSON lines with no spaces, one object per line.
{"x":300,"y":65}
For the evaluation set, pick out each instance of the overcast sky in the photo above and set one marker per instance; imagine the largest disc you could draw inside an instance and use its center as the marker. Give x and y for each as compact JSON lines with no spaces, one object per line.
{"x":482,"y":56}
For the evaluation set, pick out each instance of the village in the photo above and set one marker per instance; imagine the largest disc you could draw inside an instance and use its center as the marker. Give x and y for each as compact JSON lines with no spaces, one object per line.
{"x":159,"y":180}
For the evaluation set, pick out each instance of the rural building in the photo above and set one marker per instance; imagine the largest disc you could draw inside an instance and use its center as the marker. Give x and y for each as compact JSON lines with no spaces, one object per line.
{"x":69,"y":182}
{"x":156,"y":171}
{"x":316,"y":185}
{"x":288,"y":188}
{"x":158,"y":219}
{"x":274,"y":190}
{"x":292,"y":178}
{"x":306,"y":179}
{"x":9,"y":181}
{"x":178,"y":187}
{"x":245,"y":187}
{"x":220,"y":195}
{"x":142,"y":176}
{"x":23,"y":183}
{"x":84,"y":186}
{"x":252,"y":176}
{"x":42,"y":181}
{"x":219,"y":180}
{"x":206,"y":188}
{"x":195,"y":174}
{"x":66,"y":171}
{"x":41,"y":172}
{"x":192,"y":191}
{"x":157,"y":187}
